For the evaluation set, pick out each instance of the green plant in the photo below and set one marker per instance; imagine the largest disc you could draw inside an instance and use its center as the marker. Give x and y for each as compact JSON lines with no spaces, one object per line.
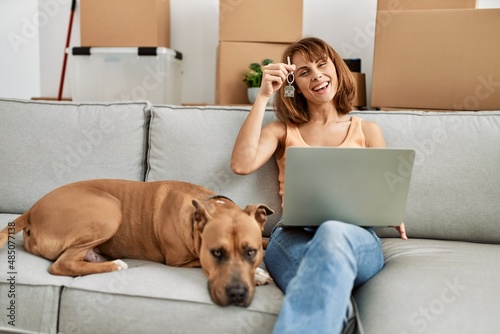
{"x":253,"y":78}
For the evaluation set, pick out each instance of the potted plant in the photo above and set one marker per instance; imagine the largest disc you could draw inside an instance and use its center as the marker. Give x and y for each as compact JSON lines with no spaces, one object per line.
{"x":253,"y":79}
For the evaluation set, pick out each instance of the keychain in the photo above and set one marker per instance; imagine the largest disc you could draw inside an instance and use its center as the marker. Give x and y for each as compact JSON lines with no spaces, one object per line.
{"x":289,"y":89}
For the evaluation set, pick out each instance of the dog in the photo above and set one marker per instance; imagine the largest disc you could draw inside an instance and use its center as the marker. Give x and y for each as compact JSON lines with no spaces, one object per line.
{"x":86,"y":227}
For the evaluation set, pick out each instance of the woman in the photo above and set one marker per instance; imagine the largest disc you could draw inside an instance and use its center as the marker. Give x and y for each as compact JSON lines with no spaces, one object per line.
{"x":315,"y":268}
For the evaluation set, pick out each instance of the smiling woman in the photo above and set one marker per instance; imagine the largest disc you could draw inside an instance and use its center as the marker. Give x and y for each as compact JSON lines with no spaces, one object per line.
{"x":338,"y":256}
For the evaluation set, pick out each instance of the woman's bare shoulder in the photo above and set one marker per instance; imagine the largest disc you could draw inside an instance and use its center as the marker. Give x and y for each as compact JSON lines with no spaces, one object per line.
{"x":373,"y":134}
{"x":276,"y":127}
{"x":369,"y":124}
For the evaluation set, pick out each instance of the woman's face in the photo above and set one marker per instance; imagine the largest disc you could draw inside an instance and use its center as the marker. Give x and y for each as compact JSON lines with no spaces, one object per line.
{"x":316,"y":80}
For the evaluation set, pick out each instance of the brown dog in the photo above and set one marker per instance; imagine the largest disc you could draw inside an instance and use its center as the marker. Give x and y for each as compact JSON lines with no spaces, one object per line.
{"x":83,"y":225}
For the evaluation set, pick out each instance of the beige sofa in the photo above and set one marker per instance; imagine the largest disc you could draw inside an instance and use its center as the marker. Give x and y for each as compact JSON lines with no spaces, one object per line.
{"x":445,"y":279}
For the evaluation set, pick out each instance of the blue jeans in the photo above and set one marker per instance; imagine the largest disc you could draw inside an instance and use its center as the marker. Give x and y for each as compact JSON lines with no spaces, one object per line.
{"x":317,"y":270}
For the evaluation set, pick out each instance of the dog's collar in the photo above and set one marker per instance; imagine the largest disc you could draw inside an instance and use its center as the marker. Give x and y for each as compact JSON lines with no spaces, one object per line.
{"x":219,"y":197}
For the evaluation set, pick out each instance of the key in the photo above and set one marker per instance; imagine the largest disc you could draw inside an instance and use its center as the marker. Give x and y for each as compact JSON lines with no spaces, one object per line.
{"x":289,"y":89}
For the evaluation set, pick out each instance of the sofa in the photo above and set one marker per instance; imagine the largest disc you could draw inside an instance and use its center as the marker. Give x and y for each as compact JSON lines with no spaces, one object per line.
{"x":444,"y":279}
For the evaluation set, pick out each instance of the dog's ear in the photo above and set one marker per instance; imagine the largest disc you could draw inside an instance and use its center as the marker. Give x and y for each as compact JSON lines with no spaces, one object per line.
{"x":200,"y":215}
{"x":260,"y":212}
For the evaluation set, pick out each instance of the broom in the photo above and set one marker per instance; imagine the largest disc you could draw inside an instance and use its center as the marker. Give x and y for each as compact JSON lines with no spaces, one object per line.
{"x":65,"y":59}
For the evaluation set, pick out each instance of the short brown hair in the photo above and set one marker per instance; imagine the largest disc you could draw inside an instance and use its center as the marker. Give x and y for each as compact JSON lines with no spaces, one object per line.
{"x":293,"y":111}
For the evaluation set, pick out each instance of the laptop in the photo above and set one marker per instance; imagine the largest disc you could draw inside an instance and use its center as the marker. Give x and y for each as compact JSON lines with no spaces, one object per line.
{"x":361,"y":186}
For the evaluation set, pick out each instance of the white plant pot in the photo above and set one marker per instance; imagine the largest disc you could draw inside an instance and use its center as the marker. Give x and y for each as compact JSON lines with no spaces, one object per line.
{"x":252,"y":95}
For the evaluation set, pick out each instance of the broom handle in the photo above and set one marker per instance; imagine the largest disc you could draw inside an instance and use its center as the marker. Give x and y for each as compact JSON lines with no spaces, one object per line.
{"x":65,"y":59}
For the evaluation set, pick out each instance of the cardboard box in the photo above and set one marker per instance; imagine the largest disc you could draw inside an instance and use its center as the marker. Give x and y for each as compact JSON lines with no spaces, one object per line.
{"x":273,"y":21}
{"x":438,"y":59}
{"x":360,"y":96}
{"x":397,"y":5}
{"x":125,"y":23}
{"x":233,"y":59}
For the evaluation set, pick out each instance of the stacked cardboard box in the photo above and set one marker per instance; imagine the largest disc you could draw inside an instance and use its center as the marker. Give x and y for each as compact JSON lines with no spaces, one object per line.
{"x":443,"y":59}
{"x":125,"y":23}
{"x":250,"y":31}
{"x":354,"y":65}
{"x":393,"y":5}
{"x":360,"y":94}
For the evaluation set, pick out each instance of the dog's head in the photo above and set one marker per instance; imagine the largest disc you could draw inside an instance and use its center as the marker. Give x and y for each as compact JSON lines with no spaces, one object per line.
{"x":230,"y":247}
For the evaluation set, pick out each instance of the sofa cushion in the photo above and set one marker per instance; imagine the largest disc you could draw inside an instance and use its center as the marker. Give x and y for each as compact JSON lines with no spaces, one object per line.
{"x":455,"y":189}
{"x":194,"y":144}
{"x":155,"y":296}
{"x":432,"y":286}
{"x":48,"y":144}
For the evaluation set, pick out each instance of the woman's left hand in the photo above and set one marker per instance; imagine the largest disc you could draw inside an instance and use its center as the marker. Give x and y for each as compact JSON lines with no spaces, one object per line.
{"x":402,"y":231}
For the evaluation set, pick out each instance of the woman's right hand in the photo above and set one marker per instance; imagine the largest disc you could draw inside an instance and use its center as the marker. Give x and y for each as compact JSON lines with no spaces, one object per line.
{"x":402,"y":231}
{"x":273,"y":77}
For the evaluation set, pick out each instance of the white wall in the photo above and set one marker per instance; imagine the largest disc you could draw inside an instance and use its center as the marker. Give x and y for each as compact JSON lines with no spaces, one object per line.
{"x":19,"y":49}
{"x":488,"y":3}
{"x":194,"y":31}
{"x":32,"y":67}
{"x":348,"y":26}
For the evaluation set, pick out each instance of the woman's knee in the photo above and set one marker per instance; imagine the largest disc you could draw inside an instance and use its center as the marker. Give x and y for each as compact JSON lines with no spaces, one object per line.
{"x":333,"y":231}
{"x":335,"y":236}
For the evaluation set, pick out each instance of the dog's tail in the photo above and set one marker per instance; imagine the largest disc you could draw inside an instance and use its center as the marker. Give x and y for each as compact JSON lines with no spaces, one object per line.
{"x":13,"y":228}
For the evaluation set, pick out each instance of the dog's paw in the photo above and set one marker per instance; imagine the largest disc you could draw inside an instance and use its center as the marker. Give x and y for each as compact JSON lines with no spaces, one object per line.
{"x":121,"y":265}
{"x":262,"y":277}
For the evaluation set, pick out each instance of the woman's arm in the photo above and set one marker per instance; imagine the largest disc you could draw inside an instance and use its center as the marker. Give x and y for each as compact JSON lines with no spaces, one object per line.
{"x":373,"y":134}
{"x":255,"y":145}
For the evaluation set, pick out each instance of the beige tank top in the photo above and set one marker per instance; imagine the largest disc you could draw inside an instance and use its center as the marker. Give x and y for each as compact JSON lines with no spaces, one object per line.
{"x":354,"y":138}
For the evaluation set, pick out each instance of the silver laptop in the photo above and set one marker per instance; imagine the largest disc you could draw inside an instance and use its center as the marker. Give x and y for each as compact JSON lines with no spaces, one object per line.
{"x":361,"y":186}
